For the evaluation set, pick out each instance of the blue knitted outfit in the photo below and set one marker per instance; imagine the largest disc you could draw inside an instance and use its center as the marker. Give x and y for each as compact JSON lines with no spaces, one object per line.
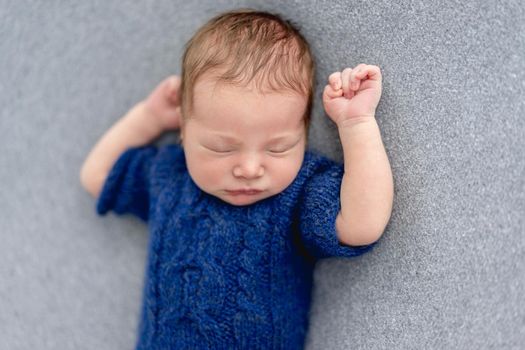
{"x":221,"y":276}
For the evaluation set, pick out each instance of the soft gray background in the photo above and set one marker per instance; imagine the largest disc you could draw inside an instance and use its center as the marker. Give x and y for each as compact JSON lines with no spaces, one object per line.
{"x":449,"y":272}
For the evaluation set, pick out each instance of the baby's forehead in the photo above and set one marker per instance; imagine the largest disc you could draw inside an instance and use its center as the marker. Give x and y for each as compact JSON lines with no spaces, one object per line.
{"x":256,"y":86}
{"x":215,"y":90}
{"x":257,"y":116}
{"x":239,"y":116}
{"x":230,"y":103}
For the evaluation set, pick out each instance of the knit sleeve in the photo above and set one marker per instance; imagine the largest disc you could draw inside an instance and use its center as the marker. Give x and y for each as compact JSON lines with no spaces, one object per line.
{"x":126,"y":189}
{"x":318,"y":212}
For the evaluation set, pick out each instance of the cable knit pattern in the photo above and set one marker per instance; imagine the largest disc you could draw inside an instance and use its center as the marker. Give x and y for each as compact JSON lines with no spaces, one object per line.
{"x":221,"y":276}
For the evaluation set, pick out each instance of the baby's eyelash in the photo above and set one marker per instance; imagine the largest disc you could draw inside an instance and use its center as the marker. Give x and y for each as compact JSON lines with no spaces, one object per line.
{"x":273,"y":151}
{"x":279,"y":151}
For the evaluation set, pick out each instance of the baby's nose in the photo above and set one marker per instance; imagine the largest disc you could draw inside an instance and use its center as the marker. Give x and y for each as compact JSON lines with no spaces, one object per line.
{"x":250,"y":167}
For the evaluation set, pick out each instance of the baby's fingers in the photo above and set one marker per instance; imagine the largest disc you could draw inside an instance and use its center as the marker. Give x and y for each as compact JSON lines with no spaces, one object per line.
{"x":345,"y":77}
{"x":352,"y":78}
{"x":335,"y":80}
{"x":334,"y":88}
{"x":329,"y":93}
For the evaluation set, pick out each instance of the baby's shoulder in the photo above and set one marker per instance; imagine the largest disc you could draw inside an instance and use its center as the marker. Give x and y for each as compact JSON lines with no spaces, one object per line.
{"x":317,"y":165}
{"x":317,"y":171}
{"x":169,"y":163}
{"x":171,"y":155}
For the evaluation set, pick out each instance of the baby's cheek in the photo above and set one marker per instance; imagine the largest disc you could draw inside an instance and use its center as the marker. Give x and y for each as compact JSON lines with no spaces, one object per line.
{"x":196,"y":170}
{"x":209,"y":170}
{"x":287,"y":171}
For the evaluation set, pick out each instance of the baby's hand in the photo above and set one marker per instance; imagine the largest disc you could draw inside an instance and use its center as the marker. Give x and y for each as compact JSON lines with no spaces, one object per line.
{"x":352,"y":94}
{"x":164,"y":103}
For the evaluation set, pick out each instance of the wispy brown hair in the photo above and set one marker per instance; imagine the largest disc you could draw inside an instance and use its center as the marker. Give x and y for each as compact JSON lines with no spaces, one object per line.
{"x":247,"y":46}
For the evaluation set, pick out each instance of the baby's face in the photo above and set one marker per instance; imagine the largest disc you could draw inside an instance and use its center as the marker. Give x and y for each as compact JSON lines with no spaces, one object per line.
{"x":237,"y":139}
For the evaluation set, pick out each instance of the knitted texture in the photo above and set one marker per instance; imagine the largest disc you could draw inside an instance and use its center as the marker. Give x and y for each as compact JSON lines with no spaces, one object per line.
{"x":221,"y":276}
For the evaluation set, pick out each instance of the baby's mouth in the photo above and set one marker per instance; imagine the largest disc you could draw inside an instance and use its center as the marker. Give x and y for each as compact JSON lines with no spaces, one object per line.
{"x":243,"y":192}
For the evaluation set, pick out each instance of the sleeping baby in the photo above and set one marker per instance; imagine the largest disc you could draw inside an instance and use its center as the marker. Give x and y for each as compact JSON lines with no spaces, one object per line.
{"x":239,"y":210}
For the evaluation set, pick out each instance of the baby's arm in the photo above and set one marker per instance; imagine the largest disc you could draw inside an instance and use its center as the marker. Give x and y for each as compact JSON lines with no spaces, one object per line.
{"x":142,"y":124}
{"x":350,"y":99}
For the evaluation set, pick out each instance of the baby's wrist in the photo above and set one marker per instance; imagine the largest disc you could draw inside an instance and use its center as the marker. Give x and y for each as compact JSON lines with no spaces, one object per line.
{"x":149,"y":118}
{"x":153,"y":116}
{"x":351,"y":123}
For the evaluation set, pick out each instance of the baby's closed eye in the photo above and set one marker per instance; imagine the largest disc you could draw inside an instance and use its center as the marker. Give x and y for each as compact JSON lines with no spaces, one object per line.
{"x":276,"y":148}
{"x":280,"y":149}
{"x":226,"y":150}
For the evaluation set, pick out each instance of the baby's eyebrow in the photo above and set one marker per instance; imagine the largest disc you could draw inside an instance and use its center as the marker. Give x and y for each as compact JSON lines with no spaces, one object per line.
{"x":237,"y":141}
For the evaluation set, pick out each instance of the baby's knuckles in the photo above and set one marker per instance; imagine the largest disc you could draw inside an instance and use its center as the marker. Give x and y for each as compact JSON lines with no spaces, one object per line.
{"x":335,"y":80}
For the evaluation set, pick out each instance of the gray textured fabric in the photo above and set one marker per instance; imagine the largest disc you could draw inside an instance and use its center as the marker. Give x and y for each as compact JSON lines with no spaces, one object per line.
{"x":449,"y":272}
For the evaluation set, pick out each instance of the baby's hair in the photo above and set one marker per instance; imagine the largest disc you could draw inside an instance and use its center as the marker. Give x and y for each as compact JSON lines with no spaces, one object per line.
{"x":247,"y":46}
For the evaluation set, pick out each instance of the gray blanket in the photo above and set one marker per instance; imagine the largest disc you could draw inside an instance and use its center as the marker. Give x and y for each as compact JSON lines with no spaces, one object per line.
{"x":449,"y":272}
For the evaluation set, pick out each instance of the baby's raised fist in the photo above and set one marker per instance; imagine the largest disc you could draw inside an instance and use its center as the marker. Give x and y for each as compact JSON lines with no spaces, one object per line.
{"x":352,"y":93}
